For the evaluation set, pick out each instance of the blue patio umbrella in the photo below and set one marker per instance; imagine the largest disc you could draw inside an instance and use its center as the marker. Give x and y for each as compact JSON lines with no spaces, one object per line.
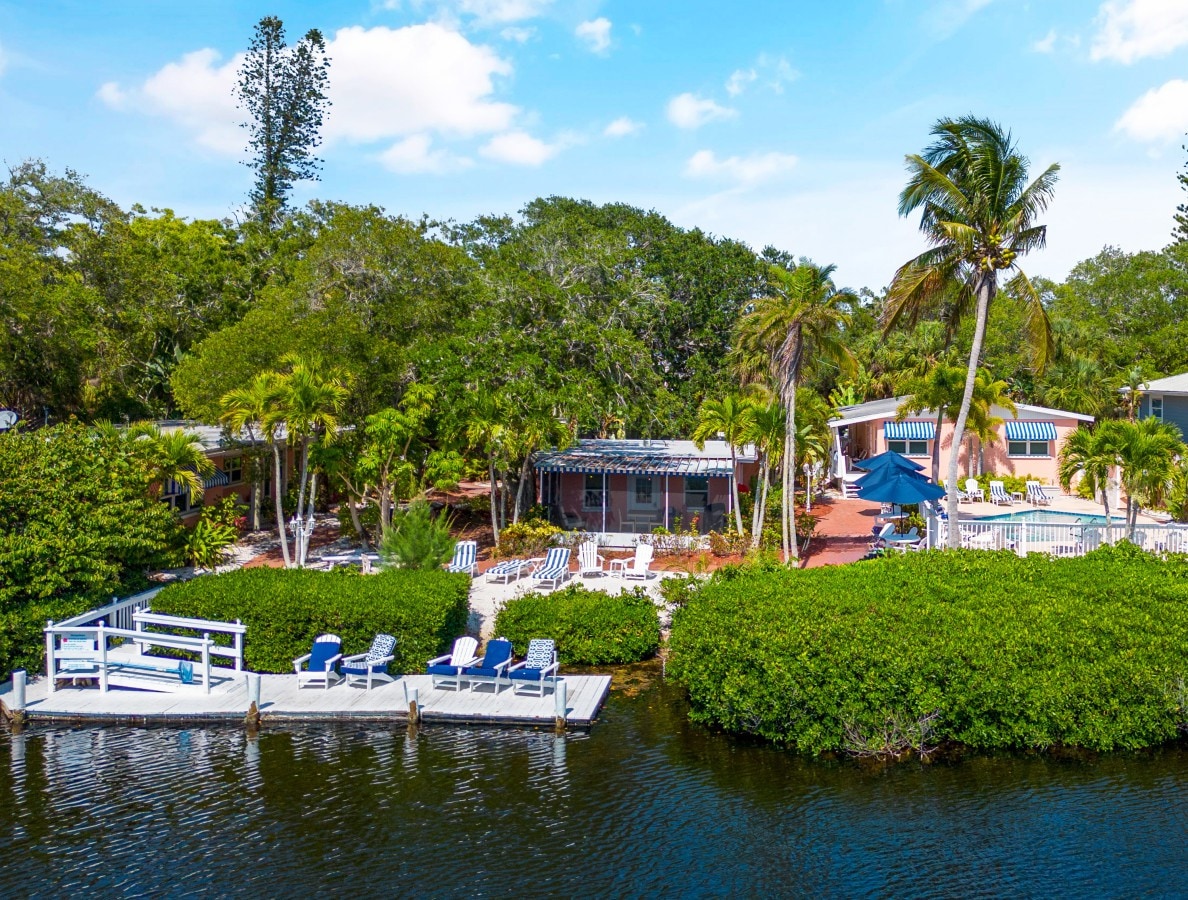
{"x":902,"y":488}
{"x":888,"y":459}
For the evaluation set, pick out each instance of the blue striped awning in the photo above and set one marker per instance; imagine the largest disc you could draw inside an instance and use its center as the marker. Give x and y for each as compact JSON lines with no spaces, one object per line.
{"x":1019,"y":430}
{"x":909,"y":431}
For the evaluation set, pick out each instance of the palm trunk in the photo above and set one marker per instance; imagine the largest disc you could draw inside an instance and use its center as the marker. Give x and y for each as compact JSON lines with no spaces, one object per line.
{"x":299,"y":541}
{"x":734,"y":484}
{"x":936,"y":443}
{"x":791,"y":550}
{"x":353,"y":509}
{"x":524,"y":476}
{"x":494,"y":508}
{"x":280,"y":507}
{"x":307,"y":532}
{"x":758,"y":512}
{"x":986,"y":287}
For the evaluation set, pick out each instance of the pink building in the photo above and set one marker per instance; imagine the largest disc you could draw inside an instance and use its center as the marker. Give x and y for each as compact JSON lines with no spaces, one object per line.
{"x":1028,"y":441}
{"x":632,"y":487}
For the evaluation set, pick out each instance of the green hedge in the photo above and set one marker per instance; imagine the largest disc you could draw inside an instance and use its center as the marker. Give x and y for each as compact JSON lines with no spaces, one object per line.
{"x":22,"y":633}
{"x":987,"y":650}
{"x":285,"y":609}
{"x":590,"y":627}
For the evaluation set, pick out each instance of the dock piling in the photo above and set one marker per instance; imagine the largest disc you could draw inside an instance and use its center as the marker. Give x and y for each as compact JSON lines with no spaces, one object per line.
{"x":252,"y":719}
{"x":560,"y":704}
{"x":15,"y":713}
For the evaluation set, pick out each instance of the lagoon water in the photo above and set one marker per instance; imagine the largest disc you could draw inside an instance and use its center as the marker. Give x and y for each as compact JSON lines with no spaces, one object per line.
{"x":644,"y":803}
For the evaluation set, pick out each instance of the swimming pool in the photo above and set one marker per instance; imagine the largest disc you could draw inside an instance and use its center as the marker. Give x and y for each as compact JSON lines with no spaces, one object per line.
{"x":1050,"y":517}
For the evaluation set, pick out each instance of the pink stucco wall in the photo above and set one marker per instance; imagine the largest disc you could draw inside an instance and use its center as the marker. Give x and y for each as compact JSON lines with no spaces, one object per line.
{"x":622,"y":514}
{"x":870,"y":437}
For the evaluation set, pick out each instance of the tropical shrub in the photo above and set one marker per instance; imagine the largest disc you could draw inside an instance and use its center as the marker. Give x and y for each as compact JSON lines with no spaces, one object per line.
{"x":216,"y":530}
{"x":417,"y":539}
{"x":988,"y":650}
{"x":530,"y":537}
{"x":285,"y":609}
{"x":22,"y":638}
{"x":590,"y":627}
{"x":730,"y":543}
{"x":78,"y":517}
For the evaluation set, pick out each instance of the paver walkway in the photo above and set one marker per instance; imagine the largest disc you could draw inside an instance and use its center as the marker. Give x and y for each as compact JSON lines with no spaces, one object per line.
{"x":843,"y":531}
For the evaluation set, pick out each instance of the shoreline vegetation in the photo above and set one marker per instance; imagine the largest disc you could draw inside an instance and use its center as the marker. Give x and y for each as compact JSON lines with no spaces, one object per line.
{"x":903,"y":656}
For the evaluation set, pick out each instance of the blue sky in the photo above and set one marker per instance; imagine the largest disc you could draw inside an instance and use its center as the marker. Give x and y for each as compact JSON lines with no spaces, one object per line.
{"x":771,"y":122}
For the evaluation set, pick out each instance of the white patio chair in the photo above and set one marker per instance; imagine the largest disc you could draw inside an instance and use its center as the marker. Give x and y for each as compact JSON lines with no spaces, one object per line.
{"x":637,"y":566}
{"x":553,"y":570}
{"x":465,"y":558}
{"x":998,"y":494}
{"x":590,"y":561}
{"x":449,"y":670}
{"x":319,"y":666}
{"x":973,"y":491}
{"x":1036,"y":495}
{"x":372,"y":665}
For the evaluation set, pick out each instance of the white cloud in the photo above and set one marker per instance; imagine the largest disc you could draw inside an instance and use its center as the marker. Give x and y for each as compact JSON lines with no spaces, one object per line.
{"x":1046,"y":44}
{"x":414,"y":156}
{"x":1160,"y":115}
{"x":690,"y":111}
{"x":948,"y":17}
{"x":622,"y":127}
{"x":1131,"y":30}
{"x":745,"y":170}
{"x":518,"y":34}
{"x":738,"y":81}
{"x":384,"y":83}
{"x":499,"y":11}
{"x":520,"y":149}
{"x":595,"y":34}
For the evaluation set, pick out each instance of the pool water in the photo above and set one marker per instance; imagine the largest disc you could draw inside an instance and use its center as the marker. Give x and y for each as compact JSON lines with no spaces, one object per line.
{"x":1051,"y":517}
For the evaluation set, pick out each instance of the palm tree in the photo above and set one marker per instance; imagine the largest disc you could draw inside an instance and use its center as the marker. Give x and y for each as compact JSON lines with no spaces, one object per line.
{"x":800,"y":319}
{"x":1132,"y":383}
{"x":767,"y":429}
{"x":252,"y":409}
{"x":1078,"y":383}
{"x":979,"y":215}
{"x":732,"y":418}
{"x":307,"y":400}
{"x":1092,"y":454}
{"x":1147,"y":453}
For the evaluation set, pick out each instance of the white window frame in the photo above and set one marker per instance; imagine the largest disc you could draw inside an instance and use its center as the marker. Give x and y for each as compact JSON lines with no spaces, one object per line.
{"x":233,"y":469}
{"x":1030,"y":447}
{"x":594,"y":494}
{"x":633,"y":494}
{"x":903,"y":447}
{"x":698,"y":506}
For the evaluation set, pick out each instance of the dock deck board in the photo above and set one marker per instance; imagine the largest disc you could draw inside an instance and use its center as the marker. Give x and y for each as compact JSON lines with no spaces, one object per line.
{"x":281,"y":700}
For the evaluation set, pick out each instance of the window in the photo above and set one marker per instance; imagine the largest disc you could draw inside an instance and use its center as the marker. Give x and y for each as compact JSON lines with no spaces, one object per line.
{"x":180,"y":501}
{"x":1157,"y":408}
{"x":593,"y":493}
{"x":1029,"y":448}
{"x":233,"y":467}
{"x":643,"y":491}
{"x":909,"y":448}
{"x":696,"y":493}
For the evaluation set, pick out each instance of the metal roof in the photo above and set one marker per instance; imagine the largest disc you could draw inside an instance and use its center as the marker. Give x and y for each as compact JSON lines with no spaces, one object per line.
{"x":621,"y":457}
{"x":1173,"y":384}
{"x":887,"y":408}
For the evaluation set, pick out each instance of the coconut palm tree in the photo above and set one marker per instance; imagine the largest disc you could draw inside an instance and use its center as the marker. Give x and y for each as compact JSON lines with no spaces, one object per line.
{"x":978,"y":215}
{"x":1131,"y":386}
{"x":801,"y":319}
{"x":732,"y":418}
{"x":252,"y":409}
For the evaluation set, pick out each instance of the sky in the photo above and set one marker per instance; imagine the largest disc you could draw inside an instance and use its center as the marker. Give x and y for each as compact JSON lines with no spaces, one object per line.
{"x":773,"y":122}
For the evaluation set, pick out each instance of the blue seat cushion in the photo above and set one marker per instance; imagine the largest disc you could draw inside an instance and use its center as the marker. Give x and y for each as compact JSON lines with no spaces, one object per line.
{"x":320,"y":652}
{"x":441,"y":670}
{"x":527,"y":674}
{"x":482,"y":671}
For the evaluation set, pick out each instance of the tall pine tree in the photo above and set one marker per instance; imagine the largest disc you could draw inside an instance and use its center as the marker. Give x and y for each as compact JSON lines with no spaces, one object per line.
{"x":283,"y":90}
{"x":1180,"y":233}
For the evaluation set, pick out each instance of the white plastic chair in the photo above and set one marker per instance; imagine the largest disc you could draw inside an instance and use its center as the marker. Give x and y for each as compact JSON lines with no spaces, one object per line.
{"x":638,"y":566}
{"x":590,"y":561}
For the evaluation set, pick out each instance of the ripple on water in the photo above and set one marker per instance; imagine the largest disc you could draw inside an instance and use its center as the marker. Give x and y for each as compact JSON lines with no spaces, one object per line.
{"x":643,"y":803}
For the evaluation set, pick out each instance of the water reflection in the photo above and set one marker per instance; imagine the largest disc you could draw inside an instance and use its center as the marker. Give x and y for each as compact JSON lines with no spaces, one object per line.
{"x":644,"y":803}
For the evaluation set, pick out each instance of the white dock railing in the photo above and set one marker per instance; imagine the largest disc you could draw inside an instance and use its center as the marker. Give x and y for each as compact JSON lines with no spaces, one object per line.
{"x":117,"y":614}
{"x":72,"y":651}
{"x":143,"y":618}
{"x":1057,"y":538}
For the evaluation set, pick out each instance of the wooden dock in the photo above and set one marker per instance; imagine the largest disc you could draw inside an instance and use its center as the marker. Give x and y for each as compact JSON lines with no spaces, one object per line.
{"x":282,"y":701}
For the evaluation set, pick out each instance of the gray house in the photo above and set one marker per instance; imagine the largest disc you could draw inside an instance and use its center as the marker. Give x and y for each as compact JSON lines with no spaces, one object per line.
{"x":1167,"y":400}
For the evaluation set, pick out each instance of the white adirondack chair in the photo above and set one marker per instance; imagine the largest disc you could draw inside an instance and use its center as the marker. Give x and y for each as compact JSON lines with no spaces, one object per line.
{"x":639,"y":566}
{"x":590,"y":561}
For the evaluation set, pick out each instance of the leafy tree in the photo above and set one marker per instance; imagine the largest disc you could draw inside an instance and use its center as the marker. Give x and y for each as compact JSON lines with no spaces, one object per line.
{"x":734,"y":420}
{"x":798,"y":321}
{"x":78,"y":517}
{"x":978,"y":214}
{"x":283,"y":91}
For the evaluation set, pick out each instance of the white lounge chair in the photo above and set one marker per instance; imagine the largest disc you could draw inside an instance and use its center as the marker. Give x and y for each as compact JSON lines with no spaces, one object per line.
{"x":320,"y":665}
{"x":998,"y":494}
{"x":465,"y":558}
{"x":590,"y":561}
{"x":553,"y":570}
{"x":450,"y":669}
{"x":508,"y":570}
{"x":637,"y":566}
{"x":973,"y":491}
{"x":881,"y":535}
{"x":1037,"y":495}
